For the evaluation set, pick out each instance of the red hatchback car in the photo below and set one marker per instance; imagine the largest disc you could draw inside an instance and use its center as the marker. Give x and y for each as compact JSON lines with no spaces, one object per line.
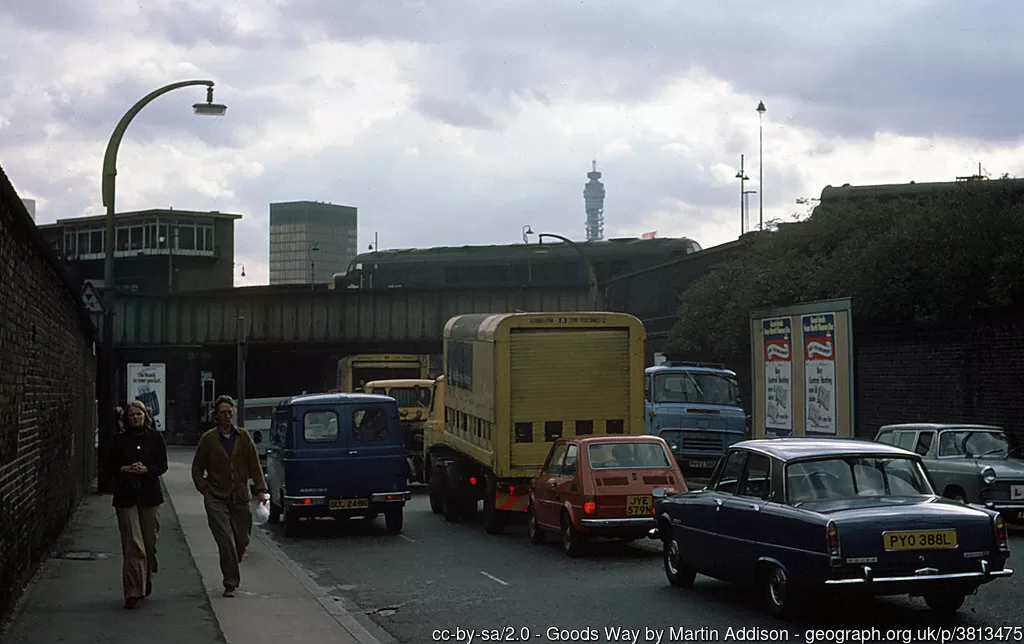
{"x":601,"y":486}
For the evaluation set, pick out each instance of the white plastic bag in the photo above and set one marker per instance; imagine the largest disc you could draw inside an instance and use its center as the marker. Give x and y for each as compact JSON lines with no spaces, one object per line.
{"x":262,"y":513}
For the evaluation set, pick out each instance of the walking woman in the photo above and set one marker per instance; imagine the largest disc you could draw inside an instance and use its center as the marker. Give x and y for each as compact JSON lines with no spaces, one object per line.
{"x":138,"y":458}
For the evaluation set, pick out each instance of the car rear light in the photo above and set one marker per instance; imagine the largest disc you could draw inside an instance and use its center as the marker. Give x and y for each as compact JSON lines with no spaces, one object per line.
{"x":307,"y":501}
{"x":589,"y":505}
{"x":472,"y":480}
{"x":835,"y":555}
{"x":512,"y":490}
{"x":1001,"y":537}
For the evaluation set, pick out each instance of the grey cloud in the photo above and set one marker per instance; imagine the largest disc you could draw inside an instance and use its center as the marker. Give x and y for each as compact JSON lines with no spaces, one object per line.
{"x":189,"y":24}
{"x":913,"y":68}
{"x":451,"y":112}
{"x":71,"y":16}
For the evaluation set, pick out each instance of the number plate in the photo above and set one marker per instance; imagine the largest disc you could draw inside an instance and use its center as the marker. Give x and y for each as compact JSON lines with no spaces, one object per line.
{"x":702,"y":465}
{"x":348,"y":504}
{"x":919,"y":540}
{"x":639,"y":505}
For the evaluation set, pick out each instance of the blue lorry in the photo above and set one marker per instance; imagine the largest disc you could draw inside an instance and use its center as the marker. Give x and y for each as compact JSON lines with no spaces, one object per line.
{"x":696,"y":408}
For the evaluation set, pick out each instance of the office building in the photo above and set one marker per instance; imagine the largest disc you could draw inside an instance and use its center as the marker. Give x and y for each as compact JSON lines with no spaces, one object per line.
{"x":155,"y":251}
{"x":310,"y":241}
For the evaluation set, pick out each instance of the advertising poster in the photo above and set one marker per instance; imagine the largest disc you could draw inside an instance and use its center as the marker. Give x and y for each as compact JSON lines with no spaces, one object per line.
{"x":819,"y":372}
{"x":148,"y":384}
{"x":778,"y":376}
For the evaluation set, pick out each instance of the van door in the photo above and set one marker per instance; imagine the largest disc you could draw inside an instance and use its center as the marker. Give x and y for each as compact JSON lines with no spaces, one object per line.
{"x":374,"y":456}
{"x":276,"y":455}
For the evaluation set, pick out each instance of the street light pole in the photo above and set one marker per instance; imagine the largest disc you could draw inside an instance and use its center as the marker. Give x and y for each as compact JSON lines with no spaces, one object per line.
{"x":760,"y":163}
{"x":595,"y":303}
{"x":747,"y":193}
{"x":106,"y":395}
{"x":312,"y":266}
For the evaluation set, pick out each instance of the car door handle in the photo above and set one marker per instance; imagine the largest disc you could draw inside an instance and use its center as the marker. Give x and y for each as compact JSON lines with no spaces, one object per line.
{"x":718,"y":504}
{"x":552,"y":483}
{"x":353,"y":452}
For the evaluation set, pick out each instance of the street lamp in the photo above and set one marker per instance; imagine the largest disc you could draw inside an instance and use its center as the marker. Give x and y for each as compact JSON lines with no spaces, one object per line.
{"x":106,"y":396}
{"x":312,"y":267}
{"x":527,"y":231}
{"x":760,"y":163}
{"x":595,"y":304}
{"x":743,"y":178}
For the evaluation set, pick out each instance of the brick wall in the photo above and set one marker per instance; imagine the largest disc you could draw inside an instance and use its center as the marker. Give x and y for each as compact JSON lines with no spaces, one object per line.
{"x":47,"y":397}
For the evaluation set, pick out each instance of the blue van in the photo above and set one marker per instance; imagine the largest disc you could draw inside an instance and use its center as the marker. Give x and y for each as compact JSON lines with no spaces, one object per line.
{"x":696,"y":407}
{"x":336,"y":455}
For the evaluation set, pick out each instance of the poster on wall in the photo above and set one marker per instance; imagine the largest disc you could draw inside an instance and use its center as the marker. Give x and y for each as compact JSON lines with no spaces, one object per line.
{"x":778,"y":376}
{"x":819,"y":372}
{"x":148,"y":384}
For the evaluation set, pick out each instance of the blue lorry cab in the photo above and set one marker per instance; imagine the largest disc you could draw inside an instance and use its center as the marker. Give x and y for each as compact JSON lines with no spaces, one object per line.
{"x":336,"y":455}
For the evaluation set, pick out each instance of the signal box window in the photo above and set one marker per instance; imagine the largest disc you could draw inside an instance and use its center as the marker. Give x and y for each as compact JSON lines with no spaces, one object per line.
{"x":584,"y":427}
{"x":552,"y":430}
{"x":524,"y":432}
{"x":616,"y":426}
{"x":370,"y":425}
{"x":320,"y":427}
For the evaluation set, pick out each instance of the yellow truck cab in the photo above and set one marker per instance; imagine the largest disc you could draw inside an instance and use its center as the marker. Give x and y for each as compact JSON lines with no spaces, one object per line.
{"x":513,"y":384}
{"x":413,"y":397}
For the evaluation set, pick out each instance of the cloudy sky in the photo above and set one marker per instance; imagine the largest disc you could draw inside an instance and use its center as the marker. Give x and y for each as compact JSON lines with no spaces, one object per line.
{"x":461,"y":121}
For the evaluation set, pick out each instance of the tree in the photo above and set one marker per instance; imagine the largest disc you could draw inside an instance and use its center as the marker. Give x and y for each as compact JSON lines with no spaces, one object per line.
{"x":932,"y":257}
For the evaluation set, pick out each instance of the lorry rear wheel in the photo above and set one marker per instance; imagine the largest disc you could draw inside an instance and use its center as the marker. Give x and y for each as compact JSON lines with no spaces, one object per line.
{"x":436,"y":489}
{"x":494,"y":519}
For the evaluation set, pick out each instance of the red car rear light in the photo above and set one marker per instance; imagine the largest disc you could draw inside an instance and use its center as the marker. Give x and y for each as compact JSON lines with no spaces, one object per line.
{"x":835,"y":555}
{"x":589,"y":505}
{"x":1001,"y":537}
{"x":472,"y":480}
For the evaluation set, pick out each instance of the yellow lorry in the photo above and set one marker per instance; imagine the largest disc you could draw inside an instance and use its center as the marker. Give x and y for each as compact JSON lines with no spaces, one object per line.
{"x":413,"y":397}
{"x":513,"y":384}
{"x":355,"y":371}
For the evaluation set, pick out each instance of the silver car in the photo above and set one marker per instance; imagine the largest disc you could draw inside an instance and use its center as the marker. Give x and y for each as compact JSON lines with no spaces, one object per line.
{"x":968,"y":463}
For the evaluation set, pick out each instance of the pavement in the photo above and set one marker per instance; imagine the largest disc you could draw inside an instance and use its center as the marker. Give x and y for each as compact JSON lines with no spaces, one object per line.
{"x":76,"y":594}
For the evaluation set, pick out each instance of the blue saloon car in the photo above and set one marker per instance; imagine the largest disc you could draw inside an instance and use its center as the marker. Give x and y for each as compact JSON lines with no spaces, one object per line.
{"x":798,"y":516}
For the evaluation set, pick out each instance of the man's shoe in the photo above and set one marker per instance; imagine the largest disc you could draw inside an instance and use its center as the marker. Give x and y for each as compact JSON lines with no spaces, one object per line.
{"x":229,"y":591}
{"x":149,"y":587}
{"x":131,"y":602}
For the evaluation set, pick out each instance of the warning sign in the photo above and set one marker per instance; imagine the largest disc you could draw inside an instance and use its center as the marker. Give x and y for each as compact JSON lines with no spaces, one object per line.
{"x":91,"y":297}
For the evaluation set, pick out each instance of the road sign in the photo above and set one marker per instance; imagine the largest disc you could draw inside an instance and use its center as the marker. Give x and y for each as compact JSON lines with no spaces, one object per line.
{"x":92,"y":298}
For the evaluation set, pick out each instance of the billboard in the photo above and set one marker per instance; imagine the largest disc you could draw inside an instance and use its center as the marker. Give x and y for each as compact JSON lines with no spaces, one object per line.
{"x":148,"y":383}
{"x":803,"y":370}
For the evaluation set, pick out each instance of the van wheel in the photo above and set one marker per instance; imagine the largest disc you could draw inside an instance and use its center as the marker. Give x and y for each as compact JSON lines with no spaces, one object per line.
{"x":291,"y":525}
{"x":275,"y":513}
{"x":393,"y":520}
{"x":572,"y":542}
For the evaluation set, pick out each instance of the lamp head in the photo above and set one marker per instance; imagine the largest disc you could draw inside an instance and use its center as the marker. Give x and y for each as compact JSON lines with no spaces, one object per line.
{"x":209,"y":108}
{"x":760,"y":107}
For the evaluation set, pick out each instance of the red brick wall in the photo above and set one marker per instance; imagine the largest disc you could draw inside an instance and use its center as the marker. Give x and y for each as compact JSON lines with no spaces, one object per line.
{"x":47,"y":398}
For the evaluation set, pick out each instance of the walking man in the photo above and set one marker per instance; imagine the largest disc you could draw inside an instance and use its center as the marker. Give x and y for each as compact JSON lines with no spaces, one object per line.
{"x":223,"y":464}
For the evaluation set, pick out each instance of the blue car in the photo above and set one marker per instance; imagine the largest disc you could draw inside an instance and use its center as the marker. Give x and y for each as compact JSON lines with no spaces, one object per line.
{"x":336,"y":455}
{"x":802,"y":516}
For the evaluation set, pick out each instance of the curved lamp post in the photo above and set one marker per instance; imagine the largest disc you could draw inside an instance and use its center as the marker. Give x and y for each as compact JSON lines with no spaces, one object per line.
{"x":107,"y":397}
{"x":595,"y":299}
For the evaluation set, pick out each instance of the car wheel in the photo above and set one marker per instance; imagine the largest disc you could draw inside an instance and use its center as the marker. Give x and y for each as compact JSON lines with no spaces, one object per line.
{"x":536,"y":534}
{"x":945,"y":603}
{"x":679,"y":574}
{"x":572,"y":542}
{"x":777,"y":591}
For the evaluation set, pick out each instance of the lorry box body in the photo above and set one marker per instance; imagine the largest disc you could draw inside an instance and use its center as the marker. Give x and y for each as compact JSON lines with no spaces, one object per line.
{"x":355,"y":371}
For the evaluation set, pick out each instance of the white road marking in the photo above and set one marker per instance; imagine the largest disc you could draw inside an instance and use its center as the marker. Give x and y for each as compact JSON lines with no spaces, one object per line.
{"x":407,"y":538}
{"x":492,"y":577}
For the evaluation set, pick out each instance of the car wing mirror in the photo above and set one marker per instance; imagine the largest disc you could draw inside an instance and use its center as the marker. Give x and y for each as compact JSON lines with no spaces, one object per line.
{"x":663,"y":492}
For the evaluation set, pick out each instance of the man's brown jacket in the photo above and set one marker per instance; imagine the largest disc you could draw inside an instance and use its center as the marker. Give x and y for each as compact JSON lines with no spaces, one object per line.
{"x":226,"y":477}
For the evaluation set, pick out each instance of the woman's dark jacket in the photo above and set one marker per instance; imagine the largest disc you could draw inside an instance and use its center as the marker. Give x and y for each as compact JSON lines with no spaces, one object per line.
{"x":147,"y":447}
